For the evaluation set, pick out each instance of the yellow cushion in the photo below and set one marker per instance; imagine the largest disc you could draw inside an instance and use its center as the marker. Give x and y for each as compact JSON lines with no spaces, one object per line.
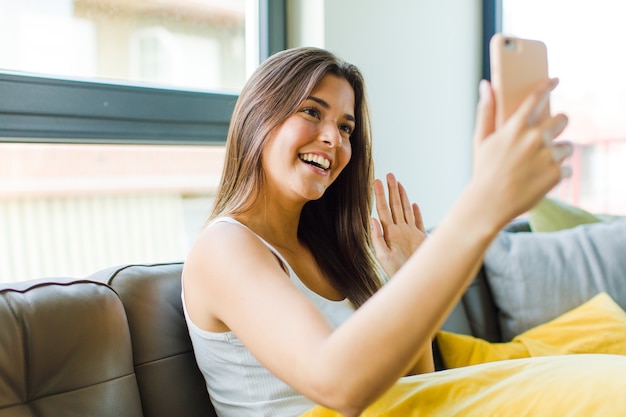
{"x":597,"y":326}
{"x":587,"y":384}
{"x":590,"y":385}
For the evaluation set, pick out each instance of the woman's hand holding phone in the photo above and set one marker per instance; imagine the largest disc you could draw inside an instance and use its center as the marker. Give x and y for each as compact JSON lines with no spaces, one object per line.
{"x":519,"y":162}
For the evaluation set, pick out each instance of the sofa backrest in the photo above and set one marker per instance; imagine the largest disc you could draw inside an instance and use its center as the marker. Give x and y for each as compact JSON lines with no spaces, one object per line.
{"x":65,"y":350}
{"x":169,"y":380}
{"x":476,"y":313}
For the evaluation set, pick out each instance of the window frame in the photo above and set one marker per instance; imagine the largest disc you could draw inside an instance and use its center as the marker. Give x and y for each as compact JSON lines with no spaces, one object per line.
{"x":492,"y":23}
{"x":46,"y":109}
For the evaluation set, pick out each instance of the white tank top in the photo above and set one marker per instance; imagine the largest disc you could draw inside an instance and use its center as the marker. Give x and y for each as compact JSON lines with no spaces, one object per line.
{"x":239,"y":386}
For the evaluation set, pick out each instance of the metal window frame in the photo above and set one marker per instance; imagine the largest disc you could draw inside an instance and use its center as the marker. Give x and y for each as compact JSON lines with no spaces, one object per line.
{"x":492,"y":23}
{"x":57,"y":110}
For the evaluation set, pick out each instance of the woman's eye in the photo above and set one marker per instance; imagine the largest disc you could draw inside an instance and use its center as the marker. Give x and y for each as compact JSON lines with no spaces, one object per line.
{"x":313,"y":112}
{"x":347,"y":128}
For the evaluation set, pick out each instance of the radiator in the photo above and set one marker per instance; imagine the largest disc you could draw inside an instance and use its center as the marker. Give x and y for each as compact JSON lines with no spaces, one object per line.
{"x":77,"y":235}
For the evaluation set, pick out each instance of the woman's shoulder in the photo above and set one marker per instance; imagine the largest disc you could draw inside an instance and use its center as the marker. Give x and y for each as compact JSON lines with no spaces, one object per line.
{"x":214,"y":269}
{"x":223,"y":236}
{"x":221,"y":243}
{"x":210,"y":271}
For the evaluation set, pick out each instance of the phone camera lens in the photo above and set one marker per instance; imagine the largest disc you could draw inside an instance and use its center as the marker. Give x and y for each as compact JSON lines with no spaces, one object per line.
{"x":509,"y":44}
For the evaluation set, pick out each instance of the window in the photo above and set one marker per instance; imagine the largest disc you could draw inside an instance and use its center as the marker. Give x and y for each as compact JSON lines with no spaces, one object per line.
{"x":185,"y":44}
{"x":113,"y":115}
{"x":584,"y":47}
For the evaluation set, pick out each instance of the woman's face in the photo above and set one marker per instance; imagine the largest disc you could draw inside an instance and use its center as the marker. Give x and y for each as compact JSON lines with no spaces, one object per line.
{"x":306,"y":153}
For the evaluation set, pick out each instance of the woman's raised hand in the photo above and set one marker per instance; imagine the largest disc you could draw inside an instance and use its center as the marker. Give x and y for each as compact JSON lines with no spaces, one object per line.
{"x":516,"y":165}
{"x":399,"y":230}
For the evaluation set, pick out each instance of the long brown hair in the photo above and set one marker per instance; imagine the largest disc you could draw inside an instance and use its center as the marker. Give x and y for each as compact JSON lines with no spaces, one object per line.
{"x":336,"y":227}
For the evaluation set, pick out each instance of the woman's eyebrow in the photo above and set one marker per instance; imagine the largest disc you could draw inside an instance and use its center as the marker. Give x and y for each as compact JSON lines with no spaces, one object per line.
{"x":325,"y":105}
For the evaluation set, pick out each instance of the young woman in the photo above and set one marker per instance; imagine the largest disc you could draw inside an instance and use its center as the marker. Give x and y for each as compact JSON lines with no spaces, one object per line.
{"x":286,"y":290}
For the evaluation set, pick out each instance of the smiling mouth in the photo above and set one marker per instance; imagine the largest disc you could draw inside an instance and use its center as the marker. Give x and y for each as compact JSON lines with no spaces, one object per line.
{"x":315,"y":160}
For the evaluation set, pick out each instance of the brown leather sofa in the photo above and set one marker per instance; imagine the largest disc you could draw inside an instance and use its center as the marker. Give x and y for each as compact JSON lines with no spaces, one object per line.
{"x":116,"y":344}
{"x":113,"y":344}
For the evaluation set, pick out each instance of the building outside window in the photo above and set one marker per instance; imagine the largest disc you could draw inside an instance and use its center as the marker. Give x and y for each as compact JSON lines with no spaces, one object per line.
{"x":175,"y":43}
{"x":585,"y":44}
{"x":105,"y":195}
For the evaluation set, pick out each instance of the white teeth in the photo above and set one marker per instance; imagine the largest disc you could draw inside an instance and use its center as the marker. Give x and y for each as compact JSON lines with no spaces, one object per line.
{"x":316,"y":159}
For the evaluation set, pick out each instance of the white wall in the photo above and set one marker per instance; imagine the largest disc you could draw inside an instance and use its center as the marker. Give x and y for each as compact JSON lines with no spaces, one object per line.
{"x":421,"y":60}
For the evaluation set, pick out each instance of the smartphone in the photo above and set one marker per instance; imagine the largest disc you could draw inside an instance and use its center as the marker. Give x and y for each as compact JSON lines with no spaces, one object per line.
{"x":517,"y":66}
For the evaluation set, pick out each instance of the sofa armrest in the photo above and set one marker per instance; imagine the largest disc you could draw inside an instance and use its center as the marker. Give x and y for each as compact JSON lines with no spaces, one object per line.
{"x":65,"y":350}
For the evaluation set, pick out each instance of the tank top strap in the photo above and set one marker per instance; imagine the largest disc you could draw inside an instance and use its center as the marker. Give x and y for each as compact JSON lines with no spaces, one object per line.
{"x":276,"y":253}
{"x":336,"y":311}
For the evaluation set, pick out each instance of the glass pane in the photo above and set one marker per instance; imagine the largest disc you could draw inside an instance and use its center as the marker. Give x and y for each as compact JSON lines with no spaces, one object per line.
{"x":70,"y":210}
{"x":198,"y":44}
{"x":585,"y":43}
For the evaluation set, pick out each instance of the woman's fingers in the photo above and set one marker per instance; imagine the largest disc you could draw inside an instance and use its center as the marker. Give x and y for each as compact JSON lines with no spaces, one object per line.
{"x":485,"y":112}
{"x":382,"y":209}
{"x":417,"y":215}
{"x":378,"y":240}
{"x":407,"y":209}
{"x":522,"y":160}
{"x":395,"y":199}
{"x":398,"y":210}
{"x":533,"y":121}
{"x":553,"y":128}
{"x":561,"y":150}
{"x":399,"y":230}
{"x":566,"y":171}
{"x":533,"y":108}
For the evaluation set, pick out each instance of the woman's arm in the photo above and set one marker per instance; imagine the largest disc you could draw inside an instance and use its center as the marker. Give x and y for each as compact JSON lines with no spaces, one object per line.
{"x":514,"y":168}
{"x":232,"y":279}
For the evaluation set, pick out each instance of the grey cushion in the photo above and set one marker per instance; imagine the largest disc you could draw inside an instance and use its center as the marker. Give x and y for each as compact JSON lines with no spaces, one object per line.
{"x":535,"y":277}
{"x":475,"y":314}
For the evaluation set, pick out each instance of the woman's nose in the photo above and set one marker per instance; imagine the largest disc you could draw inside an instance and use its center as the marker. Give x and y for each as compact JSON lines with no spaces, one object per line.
{"x":331,"y":135}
